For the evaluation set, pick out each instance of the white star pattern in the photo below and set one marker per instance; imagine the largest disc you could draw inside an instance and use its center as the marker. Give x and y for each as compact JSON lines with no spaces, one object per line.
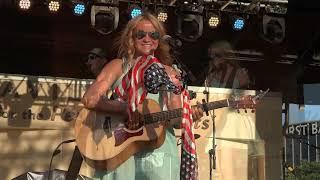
{"x":155,"y":76}
{"x":189,"y":165}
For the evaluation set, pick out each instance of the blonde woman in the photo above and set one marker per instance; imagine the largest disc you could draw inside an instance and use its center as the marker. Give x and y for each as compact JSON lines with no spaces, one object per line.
{"x":141,"y":36}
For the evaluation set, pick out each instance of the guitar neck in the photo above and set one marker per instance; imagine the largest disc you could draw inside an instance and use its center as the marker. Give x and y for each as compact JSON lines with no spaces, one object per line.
{"x":219,"y":104}
{"x":176,"y":113}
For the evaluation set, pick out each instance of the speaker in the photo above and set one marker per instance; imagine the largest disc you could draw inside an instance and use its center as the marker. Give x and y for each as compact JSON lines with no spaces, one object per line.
{"x":305,"y":6}
{"x":55,"y":174}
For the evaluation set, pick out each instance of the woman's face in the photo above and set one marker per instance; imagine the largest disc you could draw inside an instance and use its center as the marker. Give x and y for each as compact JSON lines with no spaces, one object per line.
{"x":215,"y":53}
{"x":146,"y":38}
{"x":216,"y":56}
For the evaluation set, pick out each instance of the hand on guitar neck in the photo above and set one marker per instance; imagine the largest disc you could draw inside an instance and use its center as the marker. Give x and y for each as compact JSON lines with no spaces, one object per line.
{"x":242,"y":102}
{"x":134,"y":120}
{"x":197,"y":111}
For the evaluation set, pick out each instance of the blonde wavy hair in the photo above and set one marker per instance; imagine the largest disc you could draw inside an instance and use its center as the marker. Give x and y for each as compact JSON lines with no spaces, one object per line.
{"x":125,"y":42}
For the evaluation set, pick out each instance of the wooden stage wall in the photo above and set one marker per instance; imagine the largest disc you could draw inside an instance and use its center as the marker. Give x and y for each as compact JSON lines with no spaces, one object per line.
{"x":248,"y":145}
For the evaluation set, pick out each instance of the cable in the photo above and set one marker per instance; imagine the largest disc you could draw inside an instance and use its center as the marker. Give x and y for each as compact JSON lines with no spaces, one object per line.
{"x":55,"y":152}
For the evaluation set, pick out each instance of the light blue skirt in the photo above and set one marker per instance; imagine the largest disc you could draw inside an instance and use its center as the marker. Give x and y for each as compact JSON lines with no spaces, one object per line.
{"x":159,"y":164}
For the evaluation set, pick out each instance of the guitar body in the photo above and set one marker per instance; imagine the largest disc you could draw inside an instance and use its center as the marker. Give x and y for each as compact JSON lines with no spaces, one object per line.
{"x":106,"y":143}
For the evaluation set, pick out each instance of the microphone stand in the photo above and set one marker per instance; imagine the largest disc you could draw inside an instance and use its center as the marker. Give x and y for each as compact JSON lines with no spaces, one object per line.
{"x":186,"y":74}
{"x":212,"y":151}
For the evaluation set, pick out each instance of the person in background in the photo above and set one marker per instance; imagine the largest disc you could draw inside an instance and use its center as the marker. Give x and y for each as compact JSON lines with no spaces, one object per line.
{"x":224,"y":72}
{"x":239,"y":148}
{"x":97,"y":58}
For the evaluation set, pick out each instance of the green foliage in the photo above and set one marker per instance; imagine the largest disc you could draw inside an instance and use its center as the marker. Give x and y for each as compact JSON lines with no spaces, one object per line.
{"x":306,"y":171}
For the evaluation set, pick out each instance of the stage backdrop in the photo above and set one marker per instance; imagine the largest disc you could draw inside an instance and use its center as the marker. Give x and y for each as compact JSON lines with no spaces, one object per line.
{"x":248,"y":144}
{"x":37,"y":113}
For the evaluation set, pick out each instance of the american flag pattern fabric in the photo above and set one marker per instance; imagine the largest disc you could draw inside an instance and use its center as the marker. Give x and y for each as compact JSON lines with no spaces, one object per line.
{"x":155,"y":78}
{"x":148,"y":75}
{"x":131,"y":87}
{"x":189,"y":163}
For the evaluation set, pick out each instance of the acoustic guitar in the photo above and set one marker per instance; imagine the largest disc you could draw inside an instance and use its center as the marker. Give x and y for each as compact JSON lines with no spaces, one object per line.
{"x":106,"y":142}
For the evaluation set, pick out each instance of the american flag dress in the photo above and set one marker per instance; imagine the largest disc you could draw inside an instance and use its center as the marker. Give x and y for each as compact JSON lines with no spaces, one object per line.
{"x":143,"y":80}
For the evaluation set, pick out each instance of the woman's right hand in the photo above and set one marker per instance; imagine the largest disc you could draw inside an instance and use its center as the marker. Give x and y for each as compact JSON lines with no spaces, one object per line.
{"x":92,"y":98}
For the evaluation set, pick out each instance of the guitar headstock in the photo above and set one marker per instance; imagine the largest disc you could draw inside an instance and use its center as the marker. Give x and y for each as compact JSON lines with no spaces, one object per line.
{"x":247,"y":101}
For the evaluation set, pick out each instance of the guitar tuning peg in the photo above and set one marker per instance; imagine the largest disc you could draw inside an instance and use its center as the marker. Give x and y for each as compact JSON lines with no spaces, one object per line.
{"x":253,"y":111}
{"x":238,"y":110}
{"x":16,"y":95}
{"x":245,"y":111}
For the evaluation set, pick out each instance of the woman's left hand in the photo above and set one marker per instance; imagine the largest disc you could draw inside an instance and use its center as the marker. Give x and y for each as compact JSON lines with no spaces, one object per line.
{"x":197,"y":112}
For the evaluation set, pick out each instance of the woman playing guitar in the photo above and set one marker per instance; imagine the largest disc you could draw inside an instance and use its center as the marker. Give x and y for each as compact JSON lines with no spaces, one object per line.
{"x":140,"y":39}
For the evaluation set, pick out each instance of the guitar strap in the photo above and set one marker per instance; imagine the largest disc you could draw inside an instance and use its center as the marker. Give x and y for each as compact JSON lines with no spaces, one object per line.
{"x":229,"y":83}
{"x":125,"y":68}
{"x":221,"y":82}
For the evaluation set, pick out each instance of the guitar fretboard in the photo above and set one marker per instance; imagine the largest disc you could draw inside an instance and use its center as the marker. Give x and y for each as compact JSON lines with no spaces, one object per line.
{"x":167,"y":115}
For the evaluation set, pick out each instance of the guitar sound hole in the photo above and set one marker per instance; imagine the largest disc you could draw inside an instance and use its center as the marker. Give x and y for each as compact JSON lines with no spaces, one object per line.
{"x":107,"y":124}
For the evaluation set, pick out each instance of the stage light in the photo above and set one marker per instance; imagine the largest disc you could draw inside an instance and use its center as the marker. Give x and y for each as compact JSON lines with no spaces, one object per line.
{"x":79,"y":7}
{"x":213,"y":20}
{"x":24,"y":4}
{"x":162,"y":14}
{"x":135,"y":10}
{"x":189,"y":21}
{"x":273,"y":29}
{"x":238,"y":23}
{"x":105,"y":18}
{"x":54,"y":5}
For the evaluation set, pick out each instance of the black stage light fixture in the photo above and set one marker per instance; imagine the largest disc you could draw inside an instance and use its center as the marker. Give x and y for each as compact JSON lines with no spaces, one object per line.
{"x":78,"y":7}
{"x":238,"y":22}
{"x":213,"y":20}
{"x":135,"y":10}
{"x":24,"y":4}
{"x":54,"y":5}
{"x":273,"y":29}
{"x":190,"y":20}
{"x":162,"y":14}
{"x":105,"y":16}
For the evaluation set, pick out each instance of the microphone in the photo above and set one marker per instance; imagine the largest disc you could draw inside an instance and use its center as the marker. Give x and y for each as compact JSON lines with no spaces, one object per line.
{"x":173,"y":42}
{"x":176,"y":43}
{"x":186,"y":71}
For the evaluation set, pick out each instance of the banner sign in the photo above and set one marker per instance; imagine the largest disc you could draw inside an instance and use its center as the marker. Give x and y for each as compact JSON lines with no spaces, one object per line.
{"x":304,"y":129}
